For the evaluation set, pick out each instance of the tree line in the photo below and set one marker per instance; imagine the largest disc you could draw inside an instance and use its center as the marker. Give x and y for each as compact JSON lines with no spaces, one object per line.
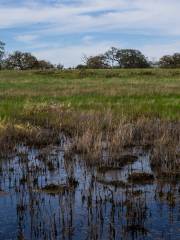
{"x":129,"y":58}
{"x":113,"y":58}
{"x":23,"y":61}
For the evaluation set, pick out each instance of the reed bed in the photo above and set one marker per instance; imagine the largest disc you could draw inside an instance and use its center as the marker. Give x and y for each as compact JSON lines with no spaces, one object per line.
{"x":93,"y":134}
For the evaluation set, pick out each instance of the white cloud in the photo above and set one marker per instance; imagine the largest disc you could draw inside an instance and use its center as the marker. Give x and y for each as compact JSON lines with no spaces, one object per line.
{"x":158,"y":50}
{"x":26,"y":38}
{"x":153,"y":16}
{"x":72,"y":55}
{"x":87,"y":39}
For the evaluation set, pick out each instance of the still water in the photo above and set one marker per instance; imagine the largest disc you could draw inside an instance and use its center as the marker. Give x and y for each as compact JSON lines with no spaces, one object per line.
{"x":88,"y":203}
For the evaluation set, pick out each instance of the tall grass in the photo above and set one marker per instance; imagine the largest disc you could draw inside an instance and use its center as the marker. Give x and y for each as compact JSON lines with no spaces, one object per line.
{"x":98,"y":109}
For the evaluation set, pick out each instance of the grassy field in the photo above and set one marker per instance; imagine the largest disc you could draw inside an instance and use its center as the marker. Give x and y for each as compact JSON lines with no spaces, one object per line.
{"x":119,"y":108}
{"x":130,"y":93}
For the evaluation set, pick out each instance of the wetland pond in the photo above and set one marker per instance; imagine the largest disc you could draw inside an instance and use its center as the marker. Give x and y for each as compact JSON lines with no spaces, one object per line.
{"x":45,"y":195}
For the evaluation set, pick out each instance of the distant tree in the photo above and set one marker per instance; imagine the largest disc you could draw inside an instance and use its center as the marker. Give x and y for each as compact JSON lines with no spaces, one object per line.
{"x":170,"y":61}
{"x":81,"y":66}
{"x":176,"y":60}
{"x":44,"y":65}
{"x":166,"y":61}
{"x":111,"y":56}
{"x":2,"y":50}
{"x":21,"y":61}
{"x":96,"y":62}
{"x":130,"y":58}
{"x":59,"y":66}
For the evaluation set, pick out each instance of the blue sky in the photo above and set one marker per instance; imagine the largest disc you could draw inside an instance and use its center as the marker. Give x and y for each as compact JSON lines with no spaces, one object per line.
{"x":62,"y":31}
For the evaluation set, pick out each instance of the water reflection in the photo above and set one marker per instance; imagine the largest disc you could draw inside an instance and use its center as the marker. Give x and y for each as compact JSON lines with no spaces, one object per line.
{"x":46,"y":196}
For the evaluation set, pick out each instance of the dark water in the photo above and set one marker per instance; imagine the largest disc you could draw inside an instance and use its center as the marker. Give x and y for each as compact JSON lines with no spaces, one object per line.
{"x":94,"y":208}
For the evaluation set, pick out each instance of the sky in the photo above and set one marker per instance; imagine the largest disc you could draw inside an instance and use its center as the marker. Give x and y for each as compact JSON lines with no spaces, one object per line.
{"x":63,"y":31}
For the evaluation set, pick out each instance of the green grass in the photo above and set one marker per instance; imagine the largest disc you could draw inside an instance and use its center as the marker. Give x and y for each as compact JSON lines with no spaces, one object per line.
{"x":131,"y":93}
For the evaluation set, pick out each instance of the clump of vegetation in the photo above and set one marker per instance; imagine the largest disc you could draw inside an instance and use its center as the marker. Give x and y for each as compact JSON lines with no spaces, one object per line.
{"x":141,"y":178}
{"x":164,"y":156}
{"x":54,"y":189}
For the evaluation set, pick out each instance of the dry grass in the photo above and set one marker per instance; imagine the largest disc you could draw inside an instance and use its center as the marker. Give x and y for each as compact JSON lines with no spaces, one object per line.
{"x":93,"y":133}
